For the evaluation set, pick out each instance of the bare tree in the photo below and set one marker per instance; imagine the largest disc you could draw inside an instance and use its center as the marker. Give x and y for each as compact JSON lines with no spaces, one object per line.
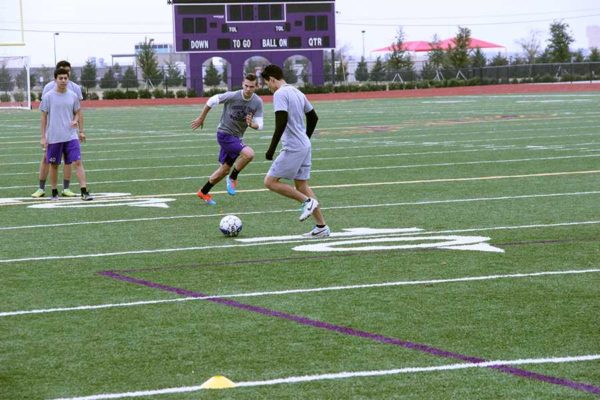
{"x":531,"y":46}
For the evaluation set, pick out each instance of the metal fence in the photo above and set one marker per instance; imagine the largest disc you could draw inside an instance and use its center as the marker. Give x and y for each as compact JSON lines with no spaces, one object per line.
{"x":420,"y":76}
{"x":558,"y":72}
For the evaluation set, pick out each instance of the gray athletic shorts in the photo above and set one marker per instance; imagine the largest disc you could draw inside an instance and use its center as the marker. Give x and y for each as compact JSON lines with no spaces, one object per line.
{"x":292,"y":165}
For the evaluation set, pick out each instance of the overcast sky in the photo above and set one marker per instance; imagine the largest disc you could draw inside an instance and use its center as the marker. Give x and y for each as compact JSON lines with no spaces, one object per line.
{"x":99,"y":28}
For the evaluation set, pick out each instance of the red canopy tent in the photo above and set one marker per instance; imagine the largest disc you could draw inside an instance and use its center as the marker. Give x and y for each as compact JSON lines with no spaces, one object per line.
{"x":474,"y":43}
{"x":423,"y":46}
{"x":415,"y":45}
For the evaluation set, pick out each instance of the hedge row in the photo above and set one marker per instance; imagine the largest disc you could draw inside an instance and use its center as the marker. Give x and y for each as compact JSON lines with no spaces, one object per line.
{"x":147,"y":94}
{"x":310,"y":89}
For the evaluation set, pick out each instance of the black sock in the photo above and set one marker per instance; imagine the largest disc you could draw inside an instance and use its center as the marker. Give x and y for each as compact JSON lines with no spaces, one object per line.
{"x":66,"y":184}
{"x":206,"y":188}
{"x":321,"y":226}
{"x":234,"y":174}
{"x":83,"y":190}
{"x":54,"y":192}
{"x":42,"y":184}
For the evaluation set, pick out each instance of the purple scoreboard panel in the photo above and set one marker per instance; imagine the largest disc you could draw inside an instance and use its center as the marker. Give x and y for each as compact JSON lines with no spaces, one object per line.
{"x":239,"y":29}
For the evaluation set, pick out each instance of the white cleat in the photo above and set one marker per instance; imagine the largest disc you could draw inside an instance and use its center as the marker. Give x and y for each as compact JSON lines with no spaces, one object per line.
{"x":318,"y":232}
{"x":308,"y":207}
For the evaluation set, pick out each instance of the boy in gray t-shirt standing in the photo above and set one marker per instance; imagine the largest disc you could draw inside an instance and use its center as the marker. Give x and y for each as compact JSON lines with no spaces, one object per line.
{"x":294,"y":161}
{"x":44,"y":167}
{"x":60,"y":118}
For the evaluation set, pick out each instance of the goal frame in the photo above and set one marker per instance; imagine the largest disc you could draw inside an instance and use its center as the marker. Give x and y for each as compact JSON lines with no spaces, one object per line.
{"x":13,"y":96}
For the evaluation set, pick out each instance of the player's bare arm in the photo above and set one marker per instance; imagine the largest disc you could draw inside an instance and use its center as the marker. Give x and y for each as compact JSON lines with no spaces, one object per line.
{"x":44,"y":121}
{"x":199,"y":122}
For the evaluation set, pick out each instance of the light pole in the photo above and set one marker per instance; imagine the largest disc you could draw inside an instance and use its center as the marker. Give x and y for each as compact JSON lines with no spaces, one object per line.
{"x":54,"y":40}
{"x":363,"y":38}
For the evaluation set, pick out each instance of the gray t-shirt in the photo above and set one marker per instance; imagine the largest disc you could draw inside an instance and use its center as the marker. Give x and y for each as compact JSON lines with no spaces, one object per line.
{"x":288,"y":98}
{"x":70,"y":85}
{"x":233,"y":118}
{"x":61,"y":108}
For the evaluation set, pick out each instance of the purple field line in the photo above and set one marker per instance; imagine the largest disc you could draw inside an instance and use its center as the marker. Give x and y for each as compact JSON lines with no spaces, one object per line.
{"x":357,"y":333}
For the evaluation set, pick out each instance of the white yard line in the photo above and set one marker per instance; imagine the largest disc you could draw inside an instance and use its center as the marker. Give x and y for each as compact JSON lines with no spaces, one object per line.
{"x":477,"y":178}
{"x":404,"y":166}
{"x":345,"y":375}
{"x":301,"y":291}
{"x":300,"y":239}
{"x":368,"y":142}
{"x":175,"y":217}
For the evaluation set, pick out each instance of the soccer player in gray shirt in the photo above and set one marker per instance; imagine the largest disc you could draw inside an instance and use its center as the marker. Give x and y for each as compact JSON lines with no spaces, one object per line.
{"x":44,"y":166}
{"x":59,"y":136}
{"x":242,"y":109}
{"x":294,"y":161}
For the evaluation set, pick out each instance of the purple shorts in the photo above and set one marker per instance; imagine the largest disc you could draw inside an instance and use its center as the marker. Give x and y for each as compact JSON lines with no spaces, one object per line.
{"x":231,"y":147}
{"x":71,"y":150}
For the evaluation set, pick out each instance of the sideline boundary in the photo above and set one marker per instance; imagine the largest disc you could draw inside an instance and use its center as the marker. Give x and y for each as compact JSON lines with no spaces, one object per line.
{"x":345,"y":375}
{"x":523,"y":88}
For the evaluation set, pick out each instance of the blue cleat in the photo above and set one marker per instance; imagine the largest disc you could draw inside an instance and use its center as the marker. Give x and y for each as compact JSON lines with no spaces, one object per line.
{"x":207,"y":198}
{"x":231,"y":184}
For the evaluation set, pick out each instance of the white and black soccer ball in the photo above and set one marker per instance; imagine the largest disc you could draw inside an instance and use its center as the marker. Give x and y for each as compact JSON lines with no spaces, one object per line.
{"x":230,"y":225}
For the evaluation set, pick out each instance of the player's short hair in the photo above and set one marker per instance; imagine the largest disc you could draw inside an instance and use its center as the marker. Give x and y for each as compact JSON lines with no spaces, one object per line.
{"x":63,"y":64}
{"x":60,"y":71}
{"x":250,"y":77}
{"x":272,"y":70}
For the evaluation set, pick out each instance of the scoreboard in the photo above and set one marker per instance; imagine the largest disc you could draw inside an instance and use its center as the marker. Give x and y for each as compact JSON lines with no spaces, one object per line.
{"x":213,"y":26}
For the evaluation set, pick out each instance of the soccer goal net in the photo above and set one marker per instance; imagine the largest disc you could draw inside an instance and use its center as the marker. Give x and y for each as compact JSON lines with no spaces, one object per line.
{"x":15,"y":82}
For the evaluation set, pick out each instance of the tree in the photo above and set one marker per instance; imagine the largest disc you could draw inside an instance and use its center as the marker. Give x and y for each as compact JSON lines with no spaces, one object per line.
{"x":173,"y":75}
{"x":531,"y":46}
{"x":578,"y":56}
{"x":46,"y":74}
{"x":559,"y":42}
{"x":129,"y":79}
{"x":428,"y":71}
{"x":146,"y":59}
{"x":478,"y":59}
{"x":73,"y":76}
{"x":21,"y":79}
{"x":304,"y":72}
{"x":254,"y":64}
{"x":377,"y":73}
{"x":518,"y":60}
{"x":498,"y":60}
{"x":327,"y":65}
{"x":6,"y":82}
{"x":117,"y":71}
{"x":289,"y":73}
{"x":88,"y":75}
{"x":362,"y":72}
{"x":341,"y":71}
{"x":458,"y":55}
{"x":437,"y":56}
{"x":399,"y":60}
{"x":594,"y":55}
{"x":211,"y":75}
{"x":544,"y":57}
{"x":109,"y":81}
{"x":224,"y":74}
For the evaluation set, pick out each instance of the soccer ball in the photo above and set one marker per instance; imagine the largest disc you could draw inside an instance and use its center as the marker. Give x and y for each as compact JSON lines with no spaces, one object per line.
{"x":230,"y":225}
